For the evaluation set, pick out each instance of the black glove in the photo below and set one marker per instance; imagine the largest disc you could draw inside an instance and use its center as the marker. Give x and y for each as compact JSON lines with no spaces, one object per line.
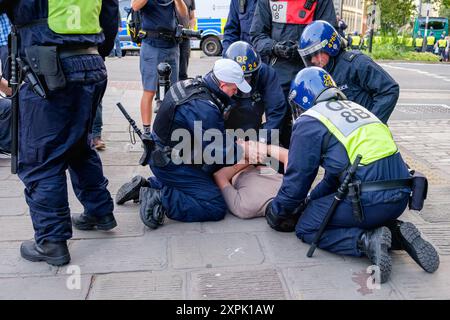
{"x":282,"y":223}
{"x":285,"y":49}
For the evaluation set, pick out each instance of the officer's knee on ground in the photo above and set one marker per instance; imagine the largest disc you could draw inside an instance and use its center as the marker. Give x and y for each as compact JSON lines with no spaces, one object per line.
{"x":282,"y":223}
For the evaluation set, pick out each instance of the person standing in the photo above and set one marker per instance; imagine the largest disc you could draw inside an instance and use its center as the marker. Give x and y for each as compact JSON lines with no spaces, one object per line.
{"x":275,"y":30}
{"x":5,"y":29}
{"x":239,"y":21}
{"x":159,"y":23}
{"x":54,"y":129}
{"x":185,"y":44}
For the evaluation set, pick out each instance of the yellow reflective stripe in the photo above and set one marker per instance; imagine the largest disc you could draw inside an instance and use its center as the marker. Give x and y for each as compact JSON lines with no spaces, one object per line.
{"x":373,"y":141}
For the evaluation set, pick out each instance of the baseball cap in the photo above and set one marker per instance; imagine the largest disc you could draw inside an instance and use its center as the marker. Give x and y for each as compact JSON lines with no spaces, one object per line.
{"x":230,"y":71}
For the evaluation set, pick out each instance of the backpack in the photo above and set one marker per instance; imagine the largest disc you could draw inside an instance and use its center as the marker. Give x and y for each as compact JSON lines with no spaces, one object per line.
{"x":134,"y":23}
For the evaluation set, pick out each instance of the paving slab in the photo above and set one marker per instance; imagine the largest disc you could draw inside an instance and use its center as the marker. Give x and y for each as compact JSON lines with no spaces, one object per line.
{"x":13,"y":206}
{"x":214,"y":250}
{"x":232,"y":223}
{"x":118,"y":254}
{"x":45,"y":288}
{"x":138,"y":286}
{"x":13,"y":265}
{"x":237,"y":284}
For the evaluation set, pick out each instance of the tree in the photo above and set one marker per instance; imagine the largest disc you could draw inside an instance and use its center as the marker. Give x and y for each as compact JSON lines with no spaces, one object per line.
{"x":395,"y":13}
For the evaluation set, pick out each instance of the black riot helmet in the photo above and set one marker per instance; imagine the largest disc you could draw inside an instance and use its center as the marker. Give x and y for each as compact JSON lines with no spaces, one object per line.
{"x":249,"y":60}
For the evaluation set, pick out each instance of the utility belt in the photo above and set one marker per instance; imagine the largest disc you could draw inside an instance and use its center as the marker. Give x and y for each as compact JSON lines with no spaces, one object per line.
{"x":45,"y":64}
{"x":418,"y":184}
{"x":155,"y":34}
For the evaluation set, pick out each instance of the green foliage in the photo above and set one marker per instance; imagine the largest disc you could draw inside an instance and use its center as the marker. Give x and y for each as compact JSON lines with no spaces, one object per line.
{"x":395,"y":14}
{"x":396,"y":51}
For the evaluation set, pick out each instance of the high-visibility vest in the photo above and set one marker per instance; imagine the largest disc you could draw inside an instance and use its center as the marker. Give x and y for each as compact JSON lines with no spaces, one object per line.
{"x":431,"y":40}
{"x":74,"y":16}
{"x":356,"y":128}
{"x":356,"y":41}
{"x":419,"y":42}
{"x":442,"y":43}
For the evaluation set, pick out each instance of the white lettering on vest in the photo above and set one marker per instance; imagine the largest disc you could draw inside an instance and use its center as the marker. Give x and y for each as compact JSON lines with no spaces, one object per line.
{"x":74,"y":19}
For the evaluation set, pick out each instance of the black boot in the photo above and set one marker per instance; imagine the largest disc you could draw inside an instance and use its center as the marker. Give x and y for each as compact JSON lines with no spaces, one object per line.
{"x":130,"y":190}
{"x":85,"y":222}
{"x":54,"y":253}
{"x":406,"y":236}
{"x":152,"y":212}
{"x":375,"y":245}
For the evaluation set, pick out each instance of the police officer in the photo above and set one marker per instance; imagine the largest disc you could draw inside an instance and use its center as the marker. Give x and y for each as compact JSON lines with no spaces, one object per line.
{"x":239,"y":22}
{"x":66,"y":54}
{"x":159,"y":23}
{"x":331,"y":132}
{"x":418,"y":43}
{"x":185,"y":190}
{"x":431,"y":40}
{"x":266,"y":96}
{"x":442,"y":44}
{"x":276,"y":28}
{"x":357,"y":75}
{"x":355,"y":41}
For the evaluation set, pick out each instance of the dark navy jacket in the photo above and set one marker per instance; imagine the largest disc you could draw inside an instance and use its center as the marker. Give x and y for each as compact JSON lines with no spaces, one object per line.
{"x":211,"y":117}
{"x":305,"y":158}
{"x":159,"y":18}
{"x":268,"y":97}
{"x":363,"y":81}
{"x":264,"y":34}
{"x":26,"y":12}
{"x":238,"y":24}
{"x":5,"y":125}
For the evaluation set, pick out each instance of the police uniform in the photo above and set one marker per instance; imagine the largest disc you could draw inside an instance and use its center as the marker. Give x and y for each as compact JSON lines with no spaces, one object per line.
{"x":239,"y":22}
{"x":189,"y":193}
{"x":159,"y":22}
{"x":365,"y":82}
{"x":278,"y":21}
{"x":266,"y":97}
{"x":431,"y":40}
{"x":331,"y":134}
{"x":54,"y":131}
{"x":419,"y":43}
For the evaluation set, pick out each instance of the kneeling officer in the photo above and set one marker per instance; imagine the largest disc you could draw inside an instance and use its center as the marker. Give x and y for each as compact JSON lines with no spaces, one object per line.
{"x":331,"y":132}
{"x":186,"y":191}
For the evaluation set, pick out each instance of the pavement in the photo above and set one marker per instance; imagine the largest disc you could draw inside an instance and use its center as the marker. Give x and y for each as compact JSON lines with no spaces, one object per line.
{"x":233,"y":258}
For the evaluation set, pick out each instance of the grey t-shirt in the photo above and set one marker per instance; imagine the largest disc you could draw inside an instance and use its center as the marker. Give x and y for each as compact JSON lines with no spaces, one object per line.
{"x":251,"y":191}
{"x":190,"y":4}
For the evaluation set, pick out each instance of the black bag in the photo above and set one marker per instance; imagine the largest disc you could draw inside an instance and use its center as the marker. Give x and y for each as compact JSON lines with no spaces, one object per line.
{"x":134,"y":22}
{"x":419,"y":190}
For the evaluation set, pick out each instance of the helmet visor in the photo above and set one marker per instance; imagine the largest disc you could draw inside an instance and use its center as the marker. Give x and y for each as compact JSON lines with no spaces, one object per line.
{"x":296,"y":109}
{"x":308,"y":54}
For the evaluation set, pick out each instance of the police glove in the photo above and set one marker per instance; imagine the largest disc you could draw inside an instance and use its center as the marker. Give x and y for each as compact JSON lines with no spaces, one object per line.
{"x":285,"y":49}
{"x":282,"y":223}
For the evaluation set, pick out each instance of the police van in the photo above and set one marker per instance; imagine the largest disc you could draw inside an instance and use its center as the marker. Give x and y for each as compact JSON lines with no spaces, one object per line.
{"x":126,"y":44}
{"x":211,"y":16}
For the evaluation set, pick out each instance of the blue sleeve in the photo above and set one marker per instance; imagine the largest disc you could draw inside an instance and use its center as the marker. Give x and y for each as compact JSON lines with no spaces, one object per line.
{"x":208,"y":118}
{"x":380,"y":85}
{"x":109,"y":20}
{"x":232,"y":29}
{"x":260,"y":31}
{"x":325,"y":11}
{"x":273,"y":97}
{"x":303,"y":164}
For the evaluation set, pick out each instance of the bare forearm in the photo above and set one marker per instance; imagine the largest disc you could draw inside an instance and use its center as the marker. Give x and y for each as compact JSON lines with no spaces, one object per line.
{"x":279,"y":153}
{"x":181,"y":8}
{"x":223,"y":176}
{"x":138,"y":4}
{"x":4,"y":87}
{"x":192,"y":19}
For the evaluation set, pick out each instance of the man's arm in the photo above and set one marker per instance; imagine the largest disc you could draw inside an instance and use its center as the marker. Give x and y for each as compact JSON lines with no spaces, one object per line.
{"x":192,"y":15}
{"x":260,"y":31}
{"x":109,"y":20}
{"x":182,"y":10}
{"x":138,"y":4}
{"x":325,"y":11}
{"x":232,"y":31}
{"x":223,"y":176}
{"x":273,"y":98}
{"x":383,"y":88}
{"x":4,"y":87}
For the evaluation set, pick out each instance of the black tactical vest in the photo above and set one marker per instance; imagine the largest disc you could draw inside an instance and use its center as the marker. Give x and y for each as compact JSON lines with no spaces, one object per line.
{"x":178,"y":94}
